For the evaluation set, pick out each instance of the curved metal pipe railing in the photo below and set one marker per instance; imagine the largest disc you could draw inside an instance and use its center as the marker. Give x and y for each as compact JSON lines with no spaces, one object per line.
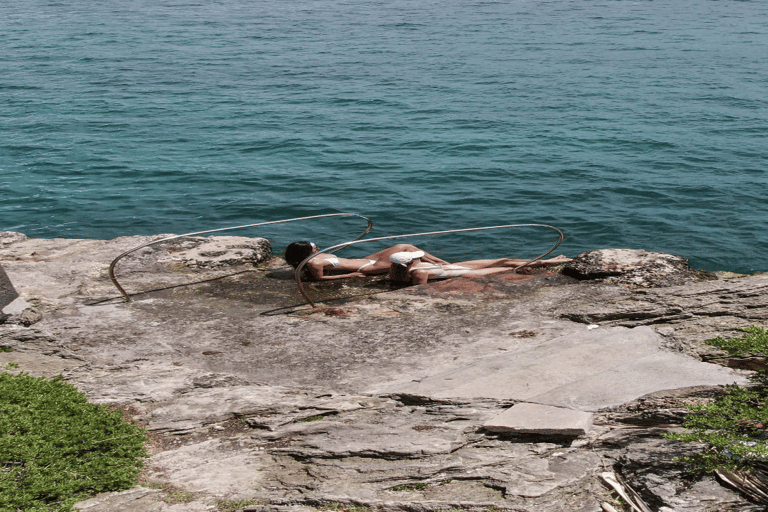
{"x":128,"y":298}
{"x":334,"y":248}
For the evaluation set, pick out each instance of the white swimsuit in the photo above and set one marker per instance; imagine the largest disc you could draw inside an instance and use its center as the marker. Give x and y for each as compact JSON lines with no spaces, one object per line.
{"x":333,"y":260}
{"x":441,"y":270}
{"x":370,"y":262}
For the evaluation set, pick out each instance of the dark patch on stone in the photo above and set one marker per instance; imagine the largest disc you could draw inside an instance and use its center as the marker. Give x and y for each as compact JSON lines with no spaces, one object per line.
{"x":336,"y":312}
{"x":751,"y":363}
{"x":561,"y":440}
{"x":523,"y":334}
{"x":218,"y":381}
{"x":7,"y":292}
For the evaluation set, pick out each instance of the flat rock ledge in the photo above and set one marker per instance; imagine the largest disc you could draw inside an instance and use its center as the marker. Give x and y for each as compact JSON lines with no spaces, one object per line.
{"x":508,"y":392}
{"x":526,"y":418}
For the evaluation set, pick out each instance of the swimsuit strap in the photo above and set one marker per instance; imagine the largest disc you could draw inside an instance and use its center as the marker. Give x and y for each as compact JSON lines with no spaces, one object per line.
{"x":370,"y":262}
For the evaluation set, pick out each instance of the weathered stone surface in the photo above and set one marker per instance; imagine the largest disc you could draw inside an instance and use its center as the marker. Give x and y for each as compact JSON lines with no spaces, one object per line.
{"x":685,"y":315}
{"x":35,"y":352}
{"x":634,"y":268}
{"x":588,"y":370}
{"x":20,"y":312}
{"x":541,"y":419}
{"x":16,"y":306}
{"x":220,"y":251}
{"x":10,"y":237}
{"x":137,"y":499}
{"x":251,"y":395}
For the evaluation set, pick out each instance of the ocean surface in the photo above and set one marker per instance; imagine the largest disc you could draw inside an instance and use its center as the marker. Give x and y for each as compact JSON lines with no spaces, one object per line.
{"x":640,"y":124}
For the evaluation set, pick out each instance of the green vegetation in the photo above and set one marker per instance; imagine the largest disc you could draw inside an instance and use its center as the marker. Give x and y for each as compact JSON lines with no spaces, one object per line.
{"x":350,"y":507}
{"x":733,"y":427}
{"x":345,"y":507}
{"x":57,"y":449}
{"x":410,"y":487}
{"x":308,"y":419}
{"x":172,"y":494}
{"x":234,"y":505}
{"x":753,"y":341}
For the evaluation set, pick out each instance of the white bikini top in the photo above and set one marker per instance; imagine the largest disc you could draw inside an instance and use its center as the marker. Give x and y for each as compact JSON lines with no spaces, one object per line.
{"x":330,"y":258}
{"x":334,"y":260}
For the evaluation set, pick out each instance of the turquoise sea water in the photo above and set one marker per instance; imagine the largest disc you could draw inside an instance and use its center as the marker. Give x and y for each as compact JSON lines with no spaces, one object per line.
{"x":638,"y":124}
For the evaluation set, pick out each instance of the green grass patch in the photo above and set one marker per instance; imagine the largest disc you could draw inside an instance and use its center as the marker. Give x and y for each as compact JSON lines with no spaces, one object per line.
{"x":6,"y":349}
{"x":345,"y":507}
{"x":172,"y":494}
{"x":410,"y":487}
{"x":308,"y":419}
{"x":733,"y":428}
{"x":57,"y":449}
{"x":234,"y":505}
{"x":753,"y":341}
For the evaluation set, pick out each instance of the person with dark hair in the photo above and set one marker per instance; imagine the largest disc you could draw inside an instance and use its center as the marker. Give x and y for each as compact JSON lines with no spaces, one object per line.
{"x":411,"y":266}
{"x":343,"y":268}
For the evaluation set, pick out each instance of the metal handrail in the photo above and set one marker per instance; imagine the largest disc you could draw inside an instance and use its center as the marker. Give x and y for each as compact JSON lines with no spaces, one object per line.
{"x":333,"y":248}
{"x":128,"y":298}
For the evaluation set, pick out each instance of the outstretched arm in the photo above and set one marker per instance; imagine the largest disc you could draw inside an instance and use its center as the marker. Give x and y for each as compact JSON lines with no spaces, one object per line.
{"x":317,"y":268}
{"x":341,"y":276}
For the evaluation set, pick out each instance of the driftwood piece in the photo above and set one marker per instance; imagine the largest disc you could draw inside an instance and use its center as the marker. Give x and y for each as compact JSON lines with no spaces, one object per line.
{"x":752,"y":483}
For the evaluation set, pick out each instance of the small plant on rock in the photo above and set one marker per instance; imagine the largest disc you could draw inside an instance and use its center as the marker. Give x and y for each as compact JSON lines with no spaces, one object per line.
{"x":410,"y":487}
{"x":309,"y":419}
{"x":235,"y":505}
{"x":345,"y":507}
{"x":733,"y":427}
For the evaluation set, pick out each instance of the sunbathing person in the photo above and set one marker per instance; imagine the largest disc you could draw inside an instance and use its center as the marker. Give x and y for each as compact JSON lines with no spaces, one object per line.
{"x":343,"y":268}
{"x":412,"y":266}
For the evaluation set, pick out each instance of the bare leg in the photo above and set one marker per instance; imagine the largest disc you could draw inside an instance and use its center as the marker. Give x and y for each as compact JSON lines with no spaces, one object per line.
{"x":488,"y":267}
{"x":422,"y":276}
{"x":512,"y":263}
{"x":557,"y":260}
{"x":497,"y":263}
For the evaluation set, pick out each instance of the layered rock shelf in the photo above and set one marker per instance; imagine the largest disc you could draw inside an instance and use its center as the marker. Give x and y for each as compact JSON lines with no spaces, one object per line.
{"x":511,"y":392}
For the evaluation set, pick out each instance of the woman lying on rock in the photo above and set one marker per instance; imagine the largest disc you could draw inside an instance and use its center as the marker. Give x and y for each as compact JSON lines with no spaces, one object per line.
{"x":343,"y":268}
{"x":404,"y":262}
{"x":414,"y":267}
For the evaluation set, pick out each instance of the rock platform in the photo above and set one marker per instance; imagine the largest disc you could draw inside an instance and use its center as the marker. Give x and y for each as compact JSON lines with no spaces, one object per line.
{"x":510,"y":392}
